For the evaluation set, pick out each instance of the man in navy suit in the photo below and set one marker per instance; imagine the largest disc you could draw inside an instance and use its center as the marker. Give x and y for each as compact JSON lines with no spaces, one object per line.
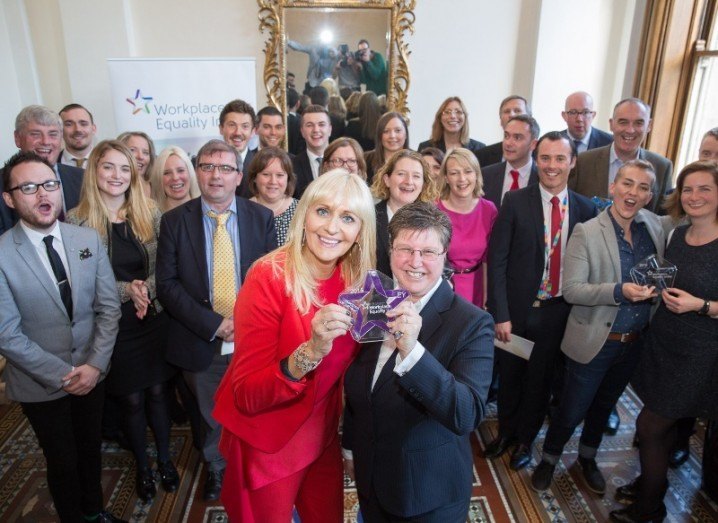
{"x":524,"y":292}
{"x":191,"y":290}
{"x":510,"y":106}
{"x":39,"y":129}
{"x":578,"y":115}
{"x":521,"y":133}
{"x":315,"y":127}
{"x":413,"y":400}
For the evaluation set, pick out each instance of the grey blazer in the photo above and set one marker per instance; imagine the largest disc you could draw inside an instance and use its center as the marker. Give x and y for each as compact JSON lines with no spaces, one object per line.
{"x":38,"y":339}
{"x":592,"y":268}
{"x":590,"y":176}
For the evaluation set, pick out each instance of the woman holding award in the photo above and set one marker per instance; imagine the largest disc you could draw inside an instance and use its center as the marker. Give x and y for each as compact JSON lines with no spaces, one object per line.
{"x":280,"y":400}
{"x":676,"y":377}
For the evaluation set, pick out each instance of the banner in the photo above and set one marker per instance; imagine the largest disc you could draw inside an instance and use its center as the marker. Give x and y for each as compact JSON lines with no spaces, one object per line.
{"x":178,"y":101}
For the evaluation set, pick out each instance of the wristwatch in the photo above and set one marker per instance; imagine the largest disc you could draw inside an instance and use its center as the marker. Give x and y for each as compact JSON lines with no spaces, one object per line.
{"x":703,"y":311}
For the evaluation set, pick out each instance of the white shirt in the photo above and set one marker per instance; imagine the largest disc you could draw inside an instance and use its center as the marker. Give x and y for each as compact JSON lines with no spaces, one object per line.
{"x":615,"y":163}
{"x":582,"y":146}
{"x":36,"y":237}
{"x":524,"y":174}
{"x":547,"y":207}
{"x":314,"y":164}
{"x":68,"y":159}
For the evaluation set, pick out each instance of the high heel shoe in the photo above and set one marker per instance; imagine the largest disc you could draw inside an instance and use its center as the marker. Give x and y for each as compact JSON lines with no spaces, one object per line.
{"x":145,"y":484}
{"x":630,"y":514}
{"x":168,"y":476}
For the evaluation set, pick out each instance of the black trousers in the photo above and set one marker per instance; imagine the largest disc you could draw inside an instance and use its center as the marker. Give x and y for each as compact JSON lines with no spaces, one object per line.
{"x":69,"y":432}
{"x":373,"y":512}
{"x":525,"y":386}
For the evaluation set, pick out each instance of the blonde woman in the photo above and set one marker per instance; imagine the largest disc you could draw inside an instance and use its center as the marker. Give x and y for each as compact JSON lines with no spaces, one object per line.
{"x":450,"y":129}
{"x":173,"y":179}
{"x":143,"y":150}
{"x":280,"y":400}
{"x":113,"y":203}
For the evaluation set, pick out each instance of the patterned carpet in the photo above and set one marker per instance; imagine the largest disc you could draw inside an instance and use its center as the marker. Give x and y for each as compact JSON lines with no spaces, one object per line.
{"x":499,"y":494}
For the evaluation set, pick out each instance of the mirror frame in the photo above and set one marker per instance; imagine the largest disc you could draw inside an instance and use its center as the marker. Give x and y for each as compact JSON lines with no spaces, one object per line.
{"x":272,"y":19}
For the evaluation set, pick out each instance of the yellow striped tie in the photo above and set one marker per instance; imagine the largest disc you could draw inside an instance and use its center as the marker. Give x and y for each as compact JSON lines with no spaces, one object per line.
{"x":224,"y":282}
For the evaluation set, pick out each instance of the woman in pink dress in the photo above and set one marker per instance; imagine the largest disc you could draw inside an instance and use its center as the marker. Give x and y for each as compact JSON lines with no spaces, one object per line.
{"x":472,"y":218}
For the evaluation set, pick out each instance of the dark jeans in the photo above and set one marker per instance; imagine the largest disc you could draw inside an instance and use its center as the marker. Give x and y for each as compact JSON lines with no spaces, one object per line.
{"x":69,"y":433}
{"x":589,"y":393}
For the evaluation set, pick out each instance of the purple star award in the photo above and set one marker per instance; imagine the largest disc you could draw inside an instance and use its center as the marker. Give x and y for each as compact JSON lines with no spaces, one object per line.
{"x":370,"y":304}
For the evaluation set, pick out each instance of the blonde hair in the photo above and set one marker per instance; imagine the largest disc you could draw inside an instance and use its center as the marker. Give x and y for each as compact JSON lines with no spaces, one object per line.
{"x":158,"y":191}
{"x":137,"y":209}
{"x":437,"y":128}
{"x":336,"y":186}
{"x":429,"y":191}
{"x":331,"y":86}
{"x":464,"y":158}
{"x":125,"y":138}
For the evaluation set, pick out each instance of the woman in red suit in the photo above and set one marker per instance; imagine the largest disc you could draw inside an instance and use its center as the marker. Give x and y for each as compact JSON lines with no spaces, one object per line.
{"x":280,"y":400}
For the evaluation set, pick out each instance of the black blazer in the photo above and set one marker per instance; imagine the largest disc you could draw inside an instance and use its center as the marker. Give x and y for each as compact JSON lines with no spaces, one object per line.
{"x":183,"y":283}
{"x":490,"y":154}
{"x":353,"y":130}
{"x":338,"y":127}
{"x":382,"y":239}
{"x":473,"y":145}
{"x":410,"y":434}
{"x":243,"y":187}
{"x":302,"y":173}
{"x":295,"y":141}
{"x":493,"y":176}
{"x":516,"y":252}
{"x":71,"y":178}
{"x":598,"y":138}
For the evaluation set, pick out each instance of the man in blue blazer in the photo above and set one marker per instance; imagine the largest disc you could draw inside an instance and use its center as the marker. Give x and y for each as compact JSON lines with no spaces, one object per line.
{"x":186,"y":282}
{"x":578,"y":115}
{"x":413,"y":400}
{"x":526,"y":252}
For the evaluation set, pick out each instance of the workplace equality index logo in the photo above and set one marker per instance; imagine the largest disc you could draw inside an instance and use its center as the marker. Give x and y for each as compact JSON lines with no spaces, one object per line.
{"x":174,"y":117}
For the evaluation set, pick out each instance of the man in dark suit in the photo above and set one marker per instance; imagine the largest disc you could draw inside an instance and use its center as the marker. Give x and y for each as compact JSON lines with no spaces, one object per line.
{"x":39,"y":129}
{"x":519,"y":169}
{"x":316,"y":128}
{"x":413,"y":400}
{"x":237,"y":122}
{"x":578,"y":115}
{"x":510,"y":106}
{"x":294,"y":137}
{"x":78,"y":133}
{"x":524,"y":292}
{"x":596,"y":169}
{"x":59,"y":321}
{"x":205,"y":249}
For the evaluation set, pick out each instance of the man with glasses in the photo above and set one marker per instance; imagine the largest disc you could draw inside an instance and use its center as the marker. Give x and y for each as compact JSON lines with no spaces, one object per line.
{"x":59,"y":321}
{"x":578,"y":115}
{"x":316,"y":128}
{"x":38,"y":129}
{"x":206,"y":247}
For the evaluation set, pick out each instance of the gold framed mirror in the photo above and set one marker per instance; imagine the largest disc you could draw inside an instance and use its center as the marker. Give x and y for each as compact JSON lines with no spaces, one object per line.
{"x":316,"y":26}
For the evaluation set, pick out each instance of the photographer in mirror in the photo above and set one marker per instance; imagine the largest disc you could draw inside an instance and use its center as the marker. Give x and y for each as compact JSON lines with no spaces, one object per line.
{"x":372,"y":68}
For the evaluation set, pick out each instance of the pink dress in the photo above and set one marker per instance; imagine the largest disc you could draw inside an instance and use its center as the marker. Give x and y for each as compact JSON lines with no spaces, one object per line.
{"x":469,"y":246}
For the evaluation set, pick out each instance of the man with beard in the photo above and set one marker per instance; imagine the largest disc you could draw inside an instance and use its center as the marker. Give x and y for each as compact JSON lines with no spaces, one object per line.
{"x":78,"y":133}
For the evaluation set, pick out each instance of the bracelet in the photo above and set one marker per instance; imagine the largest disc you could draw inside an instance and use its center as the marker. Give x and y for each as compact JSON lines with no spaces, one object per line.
{"x":302,"y":360}
{"x":703,"y":311}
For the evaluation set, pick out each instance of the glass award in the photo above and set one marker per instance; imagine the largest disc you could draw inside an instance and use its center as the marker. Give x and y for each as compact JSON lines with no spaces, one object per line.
{"x":654,"y":271}
{"x":369,"y":305}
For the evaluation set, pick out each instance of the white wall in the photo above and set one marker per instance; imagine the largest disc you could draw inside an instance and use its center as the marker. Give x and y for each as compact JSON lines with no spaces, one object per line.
{"x":481,"y":50}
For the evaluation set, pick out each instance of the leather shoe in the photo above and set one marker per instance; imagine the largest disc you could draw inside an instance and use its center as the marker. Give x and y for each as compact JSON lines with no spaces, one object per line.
{"x":678,"y":457}
{"x":627,"y":494}
{"x":631,"y":515}
{"x":543,"y":476}
{"x":213,"y":485}
{"x":520,"y":457}
{"x":168,"y":476}
{"x":614,"y":421}
{"x":106,"y":517}
{"x":145,"y":484}
{"x":592,"y":475}
{"x":497,"y":447}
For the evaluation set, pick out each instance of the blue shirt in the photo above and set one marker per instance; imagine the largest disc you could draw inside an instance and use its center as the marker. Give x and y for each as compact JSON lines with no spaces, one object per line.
{"x":233,"y":229}
{"x":632,"y":316}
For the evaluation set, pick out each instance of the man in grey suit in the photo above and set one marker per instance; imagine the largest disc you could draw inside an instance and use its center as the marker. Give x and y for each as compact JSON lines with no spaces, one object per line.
{"x":596,"y":169}
{"x":60,"y":313}
{"x":603,"y":337}
{"x":578,"y":114}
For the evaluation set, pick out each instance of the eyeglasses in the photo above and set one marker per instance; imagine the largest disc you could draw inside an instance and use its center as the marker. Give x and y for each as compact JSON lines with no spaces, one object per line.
{"x":425,"y":254}
{"x":573,"y":113}
{"x":32,"y":188}
{"x":210,"y":167}
{"x":339,"y":162}
{"x":449,"y":112}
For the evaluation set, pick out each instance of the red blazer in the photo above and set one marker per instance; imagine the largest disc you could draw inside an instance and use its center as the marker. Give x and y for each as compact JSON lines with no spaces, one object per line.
{"x":255,"y":403}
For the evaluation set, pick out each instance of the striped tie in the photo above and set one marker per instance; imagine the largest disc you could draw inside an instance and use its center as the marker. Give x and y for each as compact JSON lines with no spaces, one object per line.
{"x":224,"y":281}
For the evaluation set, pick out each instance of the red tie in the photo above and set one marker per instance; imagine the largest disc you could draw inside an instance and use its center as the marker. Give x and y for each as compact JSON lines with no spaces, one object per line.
{"x":515,"y":184}
{"x":554,"y":264}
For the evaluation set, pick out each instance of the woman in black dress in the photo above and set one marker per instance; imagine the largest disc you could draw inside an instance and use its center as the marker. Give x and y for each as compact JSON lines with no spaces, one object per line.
{"x":113,"y":202}
{"x":678,"y":373}
{"x":451,"y":128}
